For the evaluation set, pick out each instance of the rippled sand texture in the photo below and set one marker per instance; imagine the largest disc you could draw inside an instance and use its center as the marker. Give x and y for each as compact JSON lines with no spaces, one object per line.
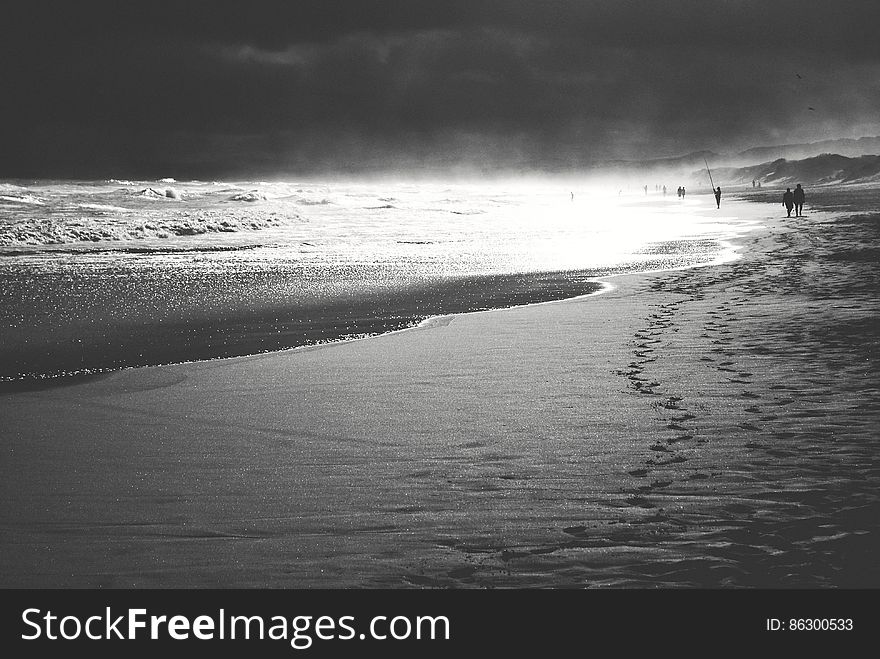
{"x":698,"y":428}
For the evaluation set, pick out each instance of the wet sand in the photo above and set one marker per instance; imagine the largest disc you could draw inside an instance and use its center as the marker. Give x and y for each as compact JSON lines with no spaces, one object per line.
{"x":704,"y":428}
{"x":64,"y":325}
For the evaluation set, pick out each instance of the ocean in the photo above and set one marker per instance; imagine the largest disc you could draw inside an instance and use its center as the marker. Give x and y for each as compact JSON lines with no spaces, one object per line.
{"x":101,"y":275}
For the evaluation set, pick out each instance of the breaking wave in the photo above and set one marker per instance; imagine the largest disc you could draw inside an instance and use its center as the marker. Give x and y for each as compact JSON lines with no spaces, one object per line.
{"x":23,"y":199}
{"x":58,"y":232}
{"x":251,"y":196}
{"x":140,"y":250}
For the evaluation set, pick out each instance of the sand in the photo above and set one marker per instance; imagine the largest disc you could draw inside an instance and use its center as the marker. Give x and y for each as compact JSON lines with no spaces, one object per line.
{"x":707,"y":427}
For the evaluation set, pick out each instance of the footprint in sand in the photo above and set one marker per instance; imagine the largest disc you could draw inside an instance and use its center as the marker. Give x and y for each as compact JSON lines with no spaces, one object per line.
{"x":639,"y":502}
{"x":462,"y":572}
{"x":574,"y":530}
{"x":418,"y":580}
{"x":674,"y":460}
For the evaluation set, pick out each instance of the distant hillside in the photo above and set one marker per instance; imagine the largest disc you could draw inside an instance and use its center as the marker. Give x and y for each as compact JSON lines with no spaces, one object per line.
{"x":656,"y":169}
{"x":823,"y":169}
{"x":839,"y":161}
{"x":818,"y":161}
{"x":844,"y":147}
{"x":843,"y":159}
{"x":688,"y":161}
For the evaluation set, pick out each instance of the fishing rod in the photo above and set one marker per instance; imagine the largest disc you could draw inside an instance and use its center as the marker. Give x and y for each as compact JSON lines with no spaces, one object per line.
{"x":710,"y":173}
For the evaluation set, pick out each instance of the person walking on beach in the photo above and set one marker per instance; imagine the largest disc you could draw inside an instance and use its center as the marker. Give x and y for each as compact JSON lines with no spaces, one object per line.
{"x":788,"y":200}
{"x":718,"y":196}
{"x":798,"y":201}
{"x":682,"y":192}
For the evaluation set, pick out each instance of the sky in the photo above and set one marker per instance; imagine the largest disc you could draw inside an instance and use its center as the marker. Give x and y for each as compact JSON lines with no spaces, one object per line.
{"x":210,"y":89}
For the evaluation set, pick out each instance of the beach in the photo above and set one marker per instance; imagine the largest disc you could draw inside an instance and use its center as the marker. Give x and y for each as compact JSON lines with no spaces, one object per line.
{"x":703,"y":427}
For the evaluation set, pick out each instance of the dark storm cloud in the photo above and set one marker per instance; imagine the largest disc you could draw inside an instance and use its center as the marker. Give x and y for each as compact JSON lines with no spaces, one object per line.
{"x":210,"y":88}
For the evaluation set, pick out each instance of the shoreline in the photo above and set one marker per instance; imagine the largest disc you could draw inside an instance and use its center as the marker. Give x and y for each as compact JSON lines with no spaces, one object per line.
{"x":69,"y":357}
{"x":707,"y":427}
{"x":48,"y":381}
{"x":88,"y":341}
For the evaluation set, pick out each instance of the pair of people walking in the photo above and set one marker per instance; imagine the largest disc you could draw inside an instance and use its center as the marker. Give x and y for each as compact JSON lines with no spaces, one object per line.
{"x":794,"y":200}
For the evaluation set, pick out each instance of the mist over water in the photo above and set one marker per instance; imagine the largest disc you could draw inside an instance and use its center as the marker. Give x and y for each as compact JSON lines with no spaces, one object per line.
{"x":99,"y":275}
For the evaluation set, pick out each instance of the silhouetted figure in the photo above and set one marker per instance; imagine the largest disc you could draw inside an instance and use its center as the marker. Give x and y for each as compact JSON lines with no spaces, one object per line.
{"x":682,"y":192}
{"x":572,"y":196}
{"x":678,"y":192}
{"x":664,"y":190}
{"x":798,"y":200}
{"x":718,"y":196}
{"x":753,"y":183}
{"x":788,"y":200}
{"x":646,"y":189}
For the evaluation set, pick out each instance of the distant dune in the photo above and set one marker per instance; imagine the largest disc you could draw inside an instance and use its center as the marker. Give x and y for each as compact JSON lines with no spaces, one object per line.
{"x":852,"y":148}
{"x":816,"y":163}
{"x":823,"y":169}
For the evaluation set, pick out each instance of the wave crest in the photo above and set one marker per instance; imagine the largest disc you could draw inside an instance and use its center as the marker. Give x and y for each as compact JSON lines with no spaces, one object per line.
{"x":61,"y":231}
{"x":251,"y":196}
{"x":169,"y":193}
{"x":23,"y":199}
